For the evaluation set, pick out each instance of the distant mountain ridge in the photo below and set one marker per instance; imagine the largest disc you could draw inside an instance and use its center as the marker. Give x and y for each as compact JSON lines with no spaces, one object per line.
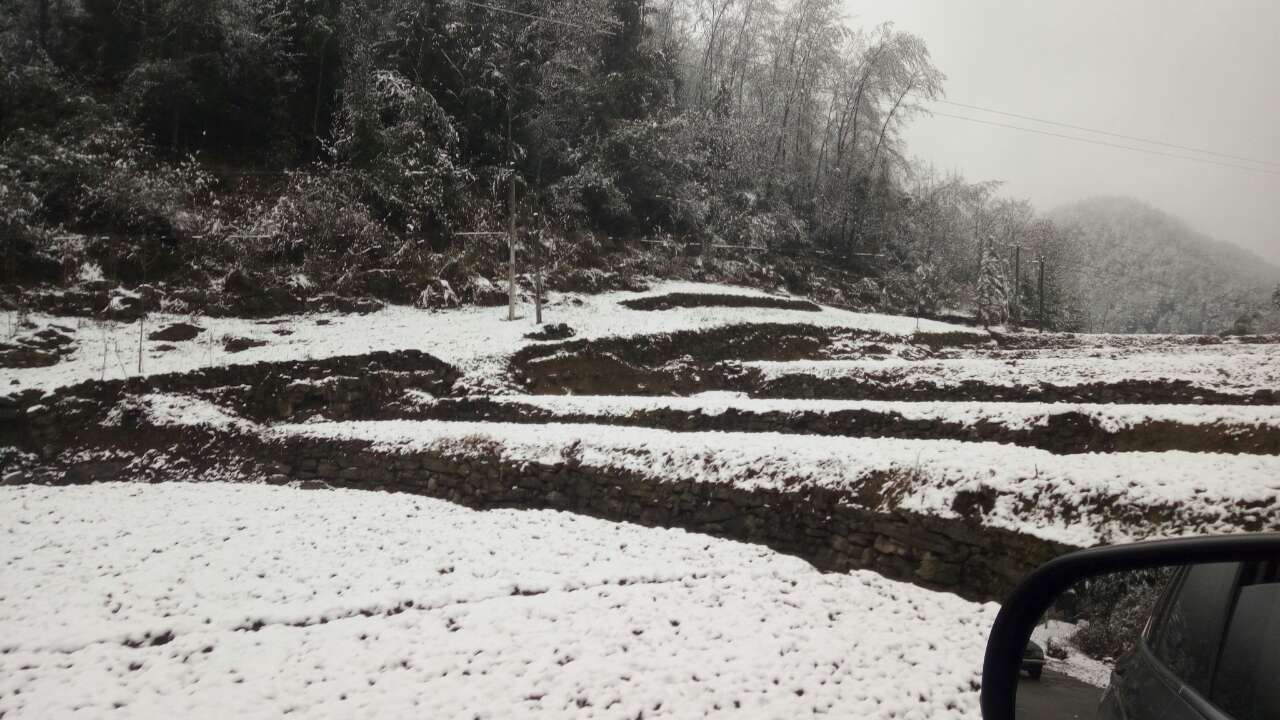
{"x":1140,"y":269}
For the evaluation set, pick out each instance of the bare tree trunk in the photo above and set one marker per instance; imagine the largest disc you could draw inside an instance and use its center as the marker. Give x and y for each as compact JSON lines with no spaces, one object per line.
{"x":43,"y":24}
{"x":315,"y":113}
{"x":889,"y":118}
{"x":740,"y":56}
{"x":706,"y":72}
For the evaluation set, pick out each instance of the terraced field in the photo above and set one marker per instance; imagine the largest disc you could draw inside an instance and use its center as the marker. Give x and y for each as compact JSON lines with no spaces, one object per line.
{"x":944,"y":457}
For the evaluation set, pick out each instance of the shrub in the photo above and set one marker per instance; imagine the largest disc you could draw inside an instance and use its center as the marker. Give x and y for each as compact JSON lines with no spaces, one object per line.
{"x":319,"y":224}
{"x":1114,"y":608}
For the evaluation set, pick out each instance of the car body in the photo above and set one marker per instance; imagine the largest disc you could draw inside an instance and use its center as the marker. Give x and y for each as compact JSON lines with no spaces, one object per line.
{"x":1211,"y":649}
{"x":1242,"y":635}
{"x":1033,"y":660}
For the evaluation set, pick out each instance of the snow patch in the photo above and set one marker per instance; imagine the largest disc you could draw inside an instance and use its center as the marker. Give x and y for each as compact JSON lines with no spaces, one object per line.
{"x":475,"y":339}
{"x":229,"y":600}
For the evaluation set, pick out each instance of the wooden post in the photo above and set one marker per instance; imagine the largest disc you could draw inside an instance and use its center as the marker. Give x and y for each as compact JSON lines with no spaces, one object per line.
{"x":1017,"y":284}
{"x":537,"y":294}
{"x":142,"y":321}
{"x":511,"y":195}
{"x":1041,"y":293}
{"x":511,"y":248}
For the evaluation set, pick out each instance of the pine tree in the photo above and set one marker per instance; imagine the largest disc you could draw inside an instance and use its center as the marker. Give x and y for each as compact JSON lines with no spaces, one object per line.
{"x":993,"y":295}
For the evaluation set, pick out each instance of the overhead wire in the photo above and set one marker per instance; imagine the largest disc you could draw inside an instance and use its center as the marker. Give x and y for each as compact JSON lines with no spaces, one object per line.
{"x":1104,"y":143}
{"x":530,"y":16}
{"x":1109,"y":133}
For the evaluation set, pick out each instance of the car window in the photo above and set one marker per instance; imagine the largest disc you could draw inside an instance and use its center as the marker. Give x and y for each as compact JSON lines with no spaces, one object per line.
{"x":1246,"y":683}
{"x":1187,"y":637}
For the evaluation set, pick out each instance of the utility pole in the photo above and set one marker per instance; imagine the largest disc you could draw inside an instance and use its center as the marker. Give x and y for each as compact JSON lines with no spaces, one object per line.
{"x":537,"y":255}
{"x":511,"y":163}
{"x":142,"y":323}
{"x":511,"y":195}
{"x":537,"y":294}
{"x":1015,"y":311}
{"x":1041,"y":293}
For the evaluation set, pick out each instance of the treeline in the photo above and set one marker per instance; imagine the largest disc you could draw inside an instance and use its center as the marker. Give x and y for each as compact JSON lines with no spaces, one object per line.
{"x":177,"y":139}
{"x":1138,"y":269}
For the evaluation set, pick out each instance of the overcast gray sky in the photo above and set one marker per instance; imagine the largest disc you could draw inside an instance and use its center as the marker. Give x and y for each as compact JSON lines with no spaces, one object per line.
{"x":1199,"y":73}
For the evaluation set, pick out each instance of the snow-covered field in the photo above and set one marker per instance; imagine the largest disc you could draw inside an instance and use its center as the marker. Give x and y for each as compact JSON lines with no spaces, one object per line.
{"x":217,"y":600}
{"x":477,"y":340}
{"x":1016,"y":416}
{"x":1228,"y":368}
{"x":267,"y":601}
{"x":1079,"y":500}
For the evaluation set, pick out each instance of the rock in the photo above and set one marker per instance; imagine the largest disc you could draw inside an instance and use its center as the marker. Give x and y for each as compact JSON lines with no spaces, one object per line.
{"x":26,"y":357}
{"x":176,"y":332}
{"x":554,"y":331}
{"x":390,"y":285}
{"x":329,"y":302}
{"x":438,"y":293}
{"x":124,"y":306}
{"x":238,"y":282}
{"x":366,"y":305}
{"x":50,"y":338}
{"x":239,"y":344}
{"x":484,"y":292}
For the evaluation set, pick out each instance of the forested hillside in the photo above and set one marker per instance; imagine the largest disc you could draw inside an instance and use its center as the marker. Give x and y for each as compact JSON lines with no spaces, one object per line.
{"x":1138,"y":269}
{"x":380,"y":147}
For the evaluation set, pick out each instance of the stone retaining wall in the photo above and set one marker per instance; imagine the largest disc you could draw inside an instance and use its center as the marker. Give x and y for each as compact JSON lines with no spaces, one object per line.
{"x":831,"y":529}
{"x":828,"y":528}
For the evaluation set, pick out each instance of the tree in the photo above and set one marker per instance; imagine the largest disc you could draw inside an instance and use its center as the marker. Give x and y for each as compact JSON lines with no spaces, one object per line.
{"x":993,"y":294}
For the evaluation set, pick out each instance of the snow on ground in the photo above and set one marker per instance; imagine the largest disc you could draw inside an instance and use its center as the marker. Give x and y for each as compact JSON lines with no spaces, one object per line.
{"x":476,"y":340}
{"x":174,"y":410}
{"x":1018,"y":416}
{"x":1234,"y":368}
{"x":514,"y":614}
{"x":1104,"y":353}
{"x":1076,"y":664}
{"x":1037,"y":492}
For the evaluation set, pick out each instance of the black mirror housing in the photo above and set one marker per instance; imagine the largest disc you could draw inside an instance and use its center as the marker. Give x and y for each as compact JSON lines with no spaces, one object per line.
{"x":1033,"y":596}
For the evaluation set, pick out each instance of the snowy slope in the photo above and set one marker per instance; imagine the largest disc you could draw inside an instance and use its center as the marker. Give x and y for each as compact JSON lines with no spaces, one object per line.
{"x":514,"y":614}
{"x":1230,"y":368}
{"x":474,"y":339}
{"x":1010,"y":414}
{"x":1079,"y":500}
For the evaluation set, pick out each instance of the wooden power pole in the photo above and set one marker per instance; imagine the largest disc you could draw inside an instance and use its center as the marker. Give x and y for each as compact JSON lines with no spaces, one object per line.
{"x":1016,"y":310}
{"x":511,"y":193}
{"x":1041,"y":293}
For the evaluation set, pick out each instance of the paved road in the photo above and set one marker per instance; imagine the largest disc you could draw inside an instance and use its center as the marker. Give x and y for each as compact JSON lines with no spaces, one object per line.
{"x":1056,"y":697}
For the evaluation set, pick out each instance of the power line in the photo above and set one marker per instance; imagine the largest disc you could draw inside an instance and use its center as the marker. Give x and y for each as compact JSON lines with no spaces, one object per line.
{"x":528,"y":16}
{"x":1107,"y":132}
{"x":1107,"y":144}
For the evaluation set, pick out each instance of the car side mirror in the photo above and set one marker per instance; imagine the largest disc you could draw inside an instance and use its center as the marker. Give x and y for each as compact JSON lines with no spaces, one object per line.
{"x":1142,"y":630}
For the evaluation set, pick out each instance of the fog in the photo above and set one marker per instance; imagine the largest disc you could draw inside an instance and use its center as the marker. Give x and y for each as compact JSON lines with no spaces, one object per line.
{"x":1197,"y":74}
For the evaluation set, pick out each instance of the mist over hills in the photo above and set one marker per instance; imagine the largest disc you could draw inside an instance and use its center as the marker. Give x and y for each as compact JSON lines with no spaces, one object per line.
{"x":1138,"y":268}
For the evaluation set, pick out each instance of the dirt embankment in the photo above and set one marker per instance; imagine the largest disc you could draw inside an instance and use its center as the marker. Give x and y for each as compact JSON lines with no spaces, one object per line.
{"x":1064,"y":433}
